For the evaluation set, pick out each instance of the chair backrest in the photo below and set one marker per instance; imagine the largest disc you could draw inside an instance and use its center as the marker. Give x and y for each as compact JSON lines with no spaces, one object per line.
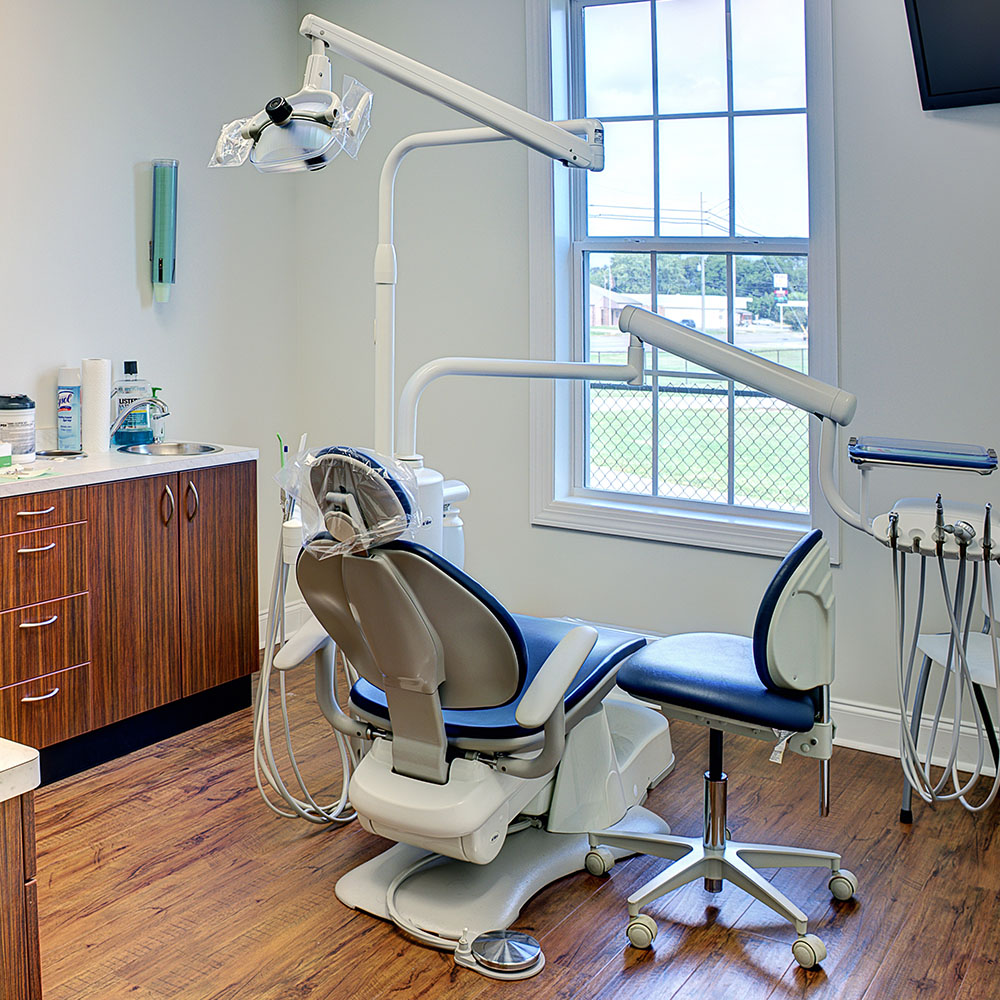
{"x":415,"y":626}
{"x":794,"y":630}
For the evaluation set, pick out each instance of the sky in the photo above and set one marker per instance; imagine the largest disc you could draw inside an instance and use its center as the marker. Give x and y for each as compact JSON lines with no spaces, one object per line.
{"x":693,"y":175}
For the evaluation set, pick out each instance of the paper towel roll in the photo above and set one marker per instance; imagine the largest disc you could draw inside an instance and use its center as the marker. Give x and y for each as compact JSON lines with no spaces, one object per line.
{"x":95,"y":404}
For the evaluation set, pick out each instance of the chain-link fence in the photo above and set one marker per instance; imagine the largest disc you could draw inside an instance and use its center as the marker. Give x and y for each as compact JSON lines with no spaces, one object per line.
{"x":704,"y":440}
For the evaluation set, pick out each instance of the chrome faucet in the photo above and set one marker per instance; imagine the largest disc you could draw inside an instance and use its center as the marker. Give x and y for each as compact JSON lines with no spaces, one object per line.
{"x":133,"y":406}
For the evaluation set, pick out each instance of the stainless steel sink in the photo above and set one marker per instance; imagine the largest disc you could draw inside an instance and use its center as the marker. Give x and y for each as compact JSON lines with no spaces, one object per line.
{"x":170,"y":448}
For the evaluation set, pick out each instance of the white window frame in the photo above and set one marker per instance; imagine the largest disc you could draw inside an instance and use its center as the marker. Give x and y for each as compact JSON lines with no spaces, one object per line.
{"x":555,"y":444}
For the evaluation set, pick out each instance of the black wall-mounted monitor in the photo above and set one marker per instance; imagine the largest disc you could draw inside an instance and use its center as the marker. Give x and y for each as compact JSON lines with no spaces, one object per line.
{"x":956,"y":48}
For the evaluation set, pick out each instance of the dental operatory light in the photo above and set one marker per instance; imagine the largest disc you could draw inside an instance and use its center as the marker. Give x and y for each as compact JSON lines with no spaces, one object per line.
{"x":304,"y":131}
{"x":308,"y":129}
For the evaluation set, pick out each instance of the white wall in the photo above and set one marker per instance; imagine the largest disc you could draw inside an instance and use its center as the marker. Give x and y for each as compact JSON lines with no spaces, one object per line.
{"x":270,"y":324}
{"x":917,"y":210}
{"x":95,"y":91}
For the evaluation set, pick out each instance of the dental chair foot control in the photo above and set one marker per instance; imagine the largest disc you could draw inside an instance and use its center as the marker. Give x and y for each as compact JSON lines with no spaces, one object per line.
{"x":501,"y":955}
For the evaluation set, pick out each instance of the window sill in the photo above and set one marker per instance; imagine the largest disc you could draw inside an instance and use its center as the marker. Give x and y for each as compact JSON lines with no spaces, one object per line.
{"x":705,"y":529}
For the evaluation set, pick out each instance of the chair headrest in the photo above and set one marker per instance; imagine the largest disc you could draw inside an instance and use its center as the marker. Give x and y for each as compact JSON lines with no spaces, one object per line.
{"x":351,"y":500}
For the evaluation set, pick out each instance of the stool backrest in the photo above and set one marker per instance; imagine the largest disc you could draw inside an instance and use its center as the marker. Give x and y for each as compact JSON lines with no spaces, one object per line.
{"x":793,"y":633}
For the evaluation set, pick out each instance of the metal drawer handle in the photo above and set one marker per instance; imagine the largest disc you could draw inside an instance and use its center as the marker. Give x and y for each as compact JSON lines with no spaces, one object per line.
{"x":41,"y":697}
{"x":35,"y":513}
{"x":168,"y":495}
{"x":44,"y":548}
{"x":192,"y":490}
{"x":48,"y":621}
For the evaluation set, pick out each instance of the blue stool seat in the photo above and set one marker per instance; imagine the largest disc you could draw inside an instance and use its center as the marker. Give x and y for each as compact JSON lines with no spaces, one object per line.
{"x":714,"y":673}
{"x":541,"y":636}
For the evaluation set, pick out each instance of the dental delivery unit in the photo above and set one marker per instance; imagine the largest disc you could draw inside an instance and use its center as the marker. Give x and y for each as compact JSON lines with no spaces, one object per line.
{"x":495,"y":748}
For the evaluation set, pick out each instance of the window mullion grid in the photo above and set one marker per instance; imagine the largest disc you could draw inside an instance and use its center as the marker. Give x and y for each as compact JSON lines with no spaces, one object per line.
{"x":579,"y":392}
{"x":731,"y":336}
{"x":730,"y":285}
{"x":731,"y":246}
{"x":654,"y":395}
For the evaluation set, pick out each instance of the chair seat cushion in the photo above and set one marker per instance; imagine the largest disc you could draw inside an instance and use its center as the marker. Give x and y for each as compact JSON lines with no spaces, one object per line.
{"x":714,"y":673}
{"x":541,"y":636}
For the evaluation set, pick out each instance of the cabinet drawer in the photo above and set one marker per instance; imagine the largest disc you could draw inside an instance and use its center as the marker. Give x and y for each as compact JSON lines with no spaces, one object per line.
{"x":43,"y":638}
{"x":48,"y":709}
{"x":42,"y":510}
{"x":38,"y":566}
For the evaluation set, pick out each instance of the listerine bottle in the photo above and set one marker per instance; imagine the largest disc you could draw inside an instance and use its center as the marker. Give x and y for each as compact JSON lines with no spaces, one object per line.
{"x":137,"y":427}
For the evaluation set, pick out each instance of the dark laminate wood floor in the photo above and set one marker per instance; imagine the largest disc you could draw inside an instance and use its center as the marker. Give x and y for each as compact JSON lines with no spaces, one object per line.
{"x":162,"y":875}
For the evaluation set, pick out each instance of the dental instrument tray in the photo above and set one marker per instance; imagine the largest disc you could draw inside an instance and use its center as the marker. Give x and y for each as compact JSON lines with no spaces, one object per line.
{"x":922,"y":454}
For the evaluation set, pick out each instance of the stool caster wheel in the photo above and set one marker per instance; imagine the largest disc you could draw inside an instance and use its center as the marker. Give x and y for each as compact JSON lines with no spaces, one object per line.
{"x":641,"y":931}
{"x":843,"y":884}
{"x":599,"y":861}
{"x":809,"y":951}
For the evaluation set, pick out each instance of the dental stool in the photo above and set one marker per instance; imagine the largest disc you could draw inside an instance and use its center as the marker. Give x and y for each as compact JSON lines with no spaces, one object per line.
{"x":776,"y":681}
{"x":492,"y":747}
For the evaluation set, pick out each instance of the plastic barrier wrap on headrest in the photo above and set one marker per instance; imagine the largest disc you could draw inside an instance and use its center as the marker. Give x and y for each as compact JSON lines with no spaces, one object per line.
{"x":350,"y":499}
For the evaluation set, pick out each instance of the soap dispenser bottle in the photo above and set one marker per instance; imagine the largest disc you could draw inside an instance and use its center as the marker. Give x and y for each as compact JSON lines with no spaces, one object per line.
{"x":137,"y":427}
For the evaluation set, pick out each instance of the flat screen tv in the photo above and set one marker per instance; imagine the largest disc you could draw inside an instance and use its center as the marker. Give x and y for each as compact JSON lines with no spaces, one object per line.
{"x":956,"y":48}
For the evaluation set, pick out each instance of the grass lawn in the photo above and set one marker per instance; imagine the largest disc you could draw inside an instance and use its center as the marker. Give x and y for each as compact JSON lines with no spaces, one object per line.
{"x":771,"y":454}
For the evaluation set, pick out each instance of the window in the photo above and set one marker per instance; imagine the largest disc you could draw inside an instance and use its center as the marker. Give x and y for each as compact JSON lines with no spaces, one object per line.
{"x":702,"y":214}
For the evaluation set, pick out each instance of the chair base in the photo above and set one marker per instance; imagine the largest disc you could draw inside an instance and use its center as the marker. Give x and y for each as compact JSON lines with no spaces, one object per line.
{"x":452,"y":896}
{"x":716,"y":859}
{"x":733,"y":862}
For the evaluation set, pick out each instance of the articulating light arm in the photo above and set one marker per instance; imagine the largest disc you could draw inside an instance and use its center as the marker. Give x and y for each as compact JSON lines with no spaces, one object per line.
{"x":526,"y":128}
{"x":793,"y":387}
{"x":832,"y":405}
{"x":406,"y":438}
{"x":385,"y":282}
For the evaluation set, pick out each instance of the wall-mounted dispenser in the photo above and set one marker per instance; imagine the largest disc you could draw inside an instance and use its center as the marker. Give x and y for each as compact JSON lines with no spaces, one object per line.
{"x":163,"y":245}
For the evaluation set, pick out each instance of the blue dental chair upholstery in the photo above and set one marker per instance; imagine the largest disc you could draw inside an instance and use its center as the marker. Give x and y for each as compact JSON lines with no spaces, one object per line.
{"x":533,"y":640}
{"x":775,"y":682}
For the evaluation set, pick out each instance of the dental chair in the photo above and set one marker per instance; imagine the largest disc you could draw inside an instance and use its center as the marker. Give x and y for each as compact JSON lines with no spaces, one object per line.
{"x":491,"y":745}
{"x":777,"y":682}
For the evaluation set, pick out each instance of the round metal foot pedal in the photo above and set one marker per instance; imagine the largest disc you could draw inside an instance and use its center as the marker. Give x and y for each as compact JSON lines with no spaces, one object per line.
{"x":506,"y":951}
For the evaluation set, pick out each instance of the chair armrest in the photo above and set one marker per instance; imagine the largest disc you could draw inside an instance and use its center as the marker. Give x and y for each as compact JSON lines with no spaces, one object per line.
{"x":548,"y":689}
{"x":301,"y":644}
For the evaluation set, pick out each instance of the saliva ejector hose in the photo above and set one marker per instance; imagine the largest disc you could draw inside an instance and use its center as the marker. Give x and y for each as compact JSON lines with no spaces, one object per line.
{"x":301,"y":804}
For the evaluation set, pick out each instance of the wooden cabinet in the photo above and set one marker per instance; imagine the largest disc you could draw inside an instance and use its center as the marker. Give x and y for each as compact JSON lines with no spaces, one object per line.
{"x":20,"y":969}
{"x":124,"y":596}
{"x":134,"y":595}
{"x":44,"y":618}
{"x":218,"y":567}
{"x":173,"y":586}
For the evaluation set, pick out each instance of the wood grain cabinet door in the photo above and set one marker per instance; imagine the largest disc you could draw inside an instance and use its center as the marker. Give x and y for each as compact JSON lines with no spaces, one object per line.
{"x":134,"y":584}
{"x":218,"y":572}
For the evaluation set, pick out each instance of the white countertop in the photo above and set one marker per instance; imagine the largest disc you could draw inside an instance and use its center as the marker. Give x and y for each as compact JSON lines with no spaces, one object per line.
{"x":19,"y":771}
{"x":115,"y":465}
